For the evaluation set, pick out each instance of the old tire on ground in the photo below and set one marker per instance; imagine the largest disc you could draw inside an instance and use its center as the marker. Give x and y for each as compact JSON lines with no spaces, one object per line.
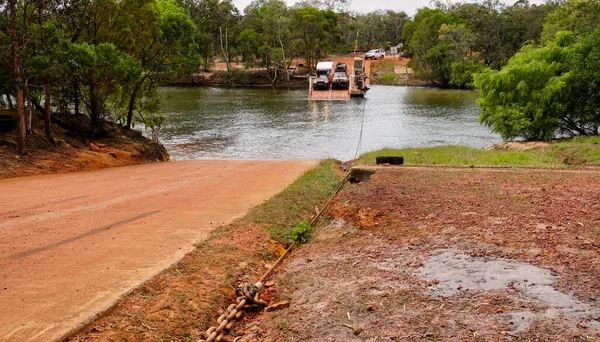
{"x":392,"y":160}
{"x":8,"y":123}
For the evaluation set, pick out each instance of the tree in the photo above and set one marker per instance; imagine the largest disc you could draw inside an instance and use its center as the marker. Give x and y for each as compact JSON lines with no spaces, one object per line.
{"x":432,"y":57}
{"x":212,"y":17}
{"x":314,"y":28}
{"x":101,"y":69}
{"x":552,"y":88}
{"x":544,"y":90}
{"x":501,"y":30}
{"x":163,"y":44}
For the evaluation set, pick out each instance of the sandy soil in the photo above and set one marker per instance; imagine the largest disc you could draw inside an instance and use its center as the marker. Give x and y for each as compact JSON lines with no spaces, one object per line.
{"x":72,"y":244}
{"x":451,"y":255}
{"x":70,"y":150}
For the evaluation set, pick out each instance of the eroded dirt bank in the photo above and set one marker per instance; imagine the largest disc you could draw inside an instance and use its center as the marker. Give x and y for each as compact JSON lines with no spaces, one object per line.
{"x":69,"y":149}
{"x":452,"y":255}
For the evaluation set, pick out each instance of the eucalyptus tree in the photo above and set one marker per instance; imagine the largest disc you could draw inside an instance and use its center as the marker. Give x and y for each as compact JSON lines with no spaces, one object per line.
{"x":267,"y":36}
{"x":433,"y":49}
{"x":314,"y":28}
{"x":501,"y":30}
{"x":162,"y":41}
{"x":22,"y":14}
{"x":216,"y":21}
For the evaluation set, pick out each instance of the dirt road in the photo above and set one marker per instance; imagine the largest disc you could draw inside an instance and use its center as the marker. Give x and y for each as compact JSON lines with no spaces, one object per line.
{"x":71,"y":244}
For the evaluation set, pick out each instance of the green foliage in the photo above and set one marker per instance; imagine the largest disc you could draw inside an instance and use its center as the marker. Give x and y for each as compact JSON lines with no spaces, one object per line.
{"x":301,"y":233}
{"x":545,"y":90}
{"x":462,"y":73}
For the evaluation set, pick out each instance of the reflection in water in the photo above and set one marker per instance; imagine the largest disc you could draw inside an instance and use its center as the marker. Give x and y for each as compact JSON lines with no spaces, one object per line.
{"x":205,"y":123}
{"x":318,"y":108}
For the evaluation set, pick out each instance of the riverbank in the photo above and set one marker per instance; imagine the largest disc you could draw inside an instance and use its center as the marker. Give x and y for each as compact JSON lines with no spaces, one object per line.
{"x":581,"y":151}
{"x":69,"y":150}
{"x":397,"y":73}
{"x":391,"y":71}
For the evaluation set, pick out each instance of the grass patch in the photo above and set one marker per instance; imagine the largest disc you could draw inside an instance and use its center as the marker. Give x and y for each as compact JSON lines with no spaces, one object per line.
{"x":578,"y":151}
{"x":284,"y":212}
{"x":384,"y":67}
{"x":386,"y":78}
{"x":385,"y":70}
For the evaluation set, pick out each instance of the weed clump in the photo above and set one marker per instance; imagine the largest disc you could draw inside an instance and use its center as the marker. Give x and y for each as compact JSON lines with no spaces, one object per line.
{"x":301,"y":233}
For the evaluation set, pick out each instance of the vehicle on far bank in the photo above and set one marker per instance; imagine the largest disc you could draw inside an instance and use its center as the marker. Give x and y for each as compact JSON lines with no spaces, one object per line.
{"x":322,"y":81}
{"x":375,"y":54}
{"x":340,"y":80}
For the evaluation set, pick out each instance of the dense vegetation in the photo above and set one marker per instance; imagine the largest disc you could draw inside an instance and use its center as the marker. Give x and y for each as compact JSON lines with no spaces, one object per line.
{"x":551,"y":88}
{"x":105,"y":58}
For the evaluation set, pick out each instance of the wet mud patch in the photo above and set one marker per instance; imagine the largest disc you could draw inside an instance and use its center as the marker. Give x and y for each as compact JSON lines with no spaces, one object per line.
{"x":453,"y":272}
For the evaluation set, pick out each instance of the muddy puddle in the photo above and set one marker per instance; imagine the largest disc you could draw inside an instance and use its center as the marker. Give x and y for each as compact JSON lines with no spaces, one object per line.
{"x":453,"y":272}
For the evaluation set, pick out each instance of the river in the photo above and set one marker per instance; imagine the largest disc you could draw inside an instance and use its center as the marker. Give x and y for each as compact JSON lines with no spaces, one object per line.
{"x":258,"y":123}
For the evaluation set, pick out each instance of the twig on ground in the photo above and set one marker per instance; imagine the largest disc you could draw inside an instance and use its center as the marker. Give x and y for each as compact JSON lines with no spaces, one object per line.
{"x":147,"y":326}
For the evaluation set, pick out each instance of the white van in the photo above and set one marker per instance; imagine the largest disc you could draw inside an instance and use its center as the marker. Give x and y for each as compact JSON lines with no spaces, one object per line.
{"x":324,"y":74}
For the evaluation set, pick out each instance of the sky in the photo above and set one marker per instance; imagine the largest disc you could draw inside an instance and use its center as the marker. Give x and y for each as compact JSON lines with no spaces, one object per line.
{"x":365,"y":6}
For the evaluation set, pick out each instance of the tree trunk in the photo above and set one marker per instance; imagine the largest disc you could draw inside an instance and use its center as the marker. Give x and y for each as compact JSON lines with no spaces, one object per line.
{"x":94,"y":114}
{"x":47,"y":111}
{"x":17,"y":69}
{"x":28,"y":109}
{"x":130,"y":107}
{"x":225,"y":47}
{"x":287,"y":73}
{"x":22,"y":127}
{"x":76,"y":97}
{"x":9,"y":100}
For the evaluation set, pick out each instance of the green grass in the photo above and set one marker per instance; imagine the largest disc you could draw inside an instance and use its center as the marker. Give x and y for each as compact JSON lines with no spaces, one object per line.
{"x":578,"y":151}
{"x":285,"y":212}
{"x":386,"y":69}
{"x":386,"y":78}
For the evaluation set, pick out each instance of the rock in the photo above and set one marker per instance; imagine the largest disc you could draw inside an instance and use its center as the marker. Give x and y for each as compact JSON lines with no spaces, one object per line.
{"x":278,"y":306}
{"x":95,"y":148}
{"x":248,"y":338}
{"x":113,"y":154}
{"x":228,"y":338}
{"x":357,"y":331}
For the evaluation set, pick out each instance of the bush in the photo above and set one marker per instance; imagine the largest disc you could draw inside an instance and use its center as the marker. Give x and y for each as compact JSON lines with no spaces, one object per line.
{"x":234,"y":76}
{"x":301,"y":233}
